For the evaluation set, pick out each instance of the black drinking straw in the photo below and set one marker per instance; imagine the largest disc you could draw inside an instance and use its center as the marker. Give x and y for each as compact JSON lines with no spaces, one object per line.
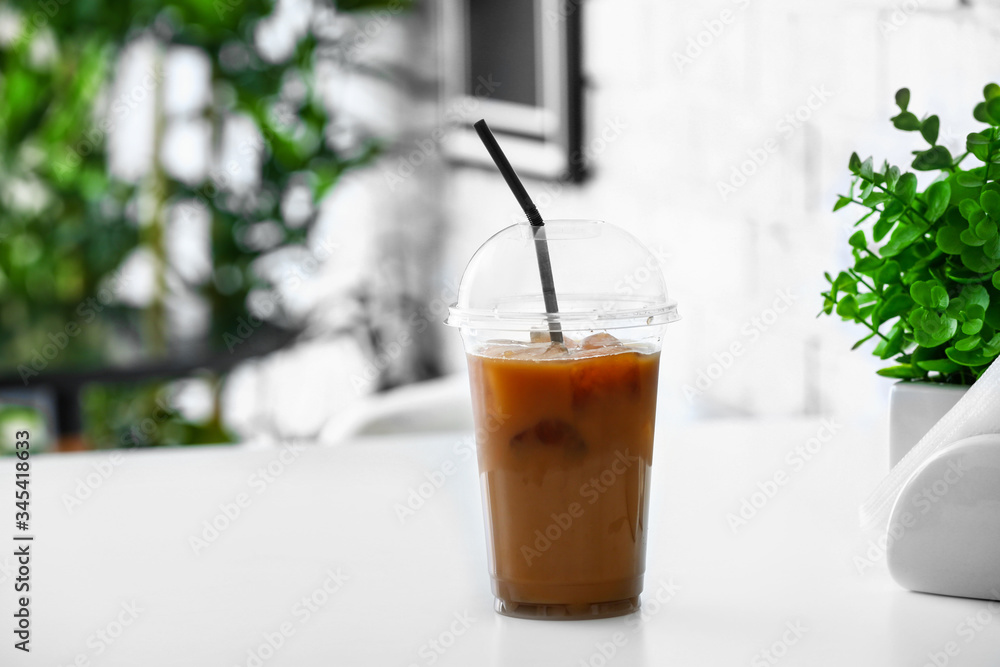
{"x":534,"y":219}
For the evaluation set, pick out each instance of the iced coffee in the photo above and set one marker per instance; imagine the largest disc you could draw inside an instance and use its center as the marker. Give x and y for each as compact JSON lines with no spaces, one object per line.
{"x":565,"y":443}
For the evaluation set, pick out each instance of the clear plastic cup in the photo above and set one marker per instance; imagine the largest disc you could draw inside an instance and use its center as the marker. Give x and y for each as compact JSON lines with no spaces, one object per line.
{"x":564,"y":431}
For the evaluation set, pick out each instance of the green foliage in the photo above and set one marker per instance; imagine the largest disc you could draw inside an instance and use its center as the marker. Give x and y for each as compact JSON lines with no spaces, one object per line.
{"x":63,"y":243}
{"x":925,"y":282}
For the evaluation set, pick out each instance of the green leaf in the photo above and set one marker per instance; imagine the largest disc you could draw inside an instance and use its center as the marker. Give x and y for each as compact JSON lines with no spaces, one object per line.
{"x":848,"y":307}
{"x":880,"y":229}
{"x":992,"y":248}
{"x":863,"y":341}
{"x":993,"y":109}
{"x":975,"y":296}
{"x":929,"y":129}
{"x":895,"y":306}
{"x":891,"y":177}
{"x":996,"y":280}
{"x":846,"y":283}
{"x":889,"y":273}
{"x":903,"y":98}
{"x":970,"y":179}
{"x":947,"y":239}
{"x":990,"y":91}
{"x":986,"y":229}
{"x":892,"y":344}
{"x":944,"y":366}
{"x":902,"y":237}
{"x":866,"y":170}
{"x":868,"y":264}
{"x":972,"y":327}
{"x":894,"y":210}
{"x":931,"y":329}
{"x":875,"y":198}
{"x":906,"y":189}
{"x":973,"y":312}
{"x":866,"y":189}
{"x":854,"y":164}
{"x":969,"y":238}
{"x":980,"y":114}
{"x":967,"y":344}
{"x":937,"y":157}
{"x":902,"y":372}
{"x":968,"y":208}
{"x":857,"y":240}
{"x":841,"y":203}
{"x":939,"y":297}
{"x":978,"y":144}
{"x":992,"y":348}
{"x":969,"y":358}
{"x":937,"y":196}
{"x":962,"y":275}
{"x":920,"y":292}
{"x":990,"y":201}
{"x":976,"y":260}
{"x":906,"y":121}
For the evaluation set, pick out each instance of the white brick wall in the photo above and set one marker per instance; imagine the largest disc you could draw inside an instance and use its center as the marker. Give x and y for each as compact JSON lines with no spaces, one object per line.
{"x":686,"y":130}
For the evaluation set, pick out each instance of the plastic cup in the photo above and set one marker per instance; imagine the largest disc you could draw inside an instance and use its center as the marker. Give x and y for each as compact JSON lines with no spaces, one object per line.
{"x":564,"y":432}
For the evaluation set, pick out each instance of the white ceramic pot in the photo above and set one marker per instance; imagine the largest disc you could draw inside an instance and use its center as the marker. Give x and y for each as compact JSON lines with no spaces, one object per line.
{"x":914,"y":407}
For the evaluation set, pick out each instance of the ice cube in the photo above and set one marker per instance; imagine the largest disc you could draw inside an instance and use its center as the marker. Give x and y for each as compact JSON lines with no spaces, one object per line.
{"x":600,"y":340}
{"x":554,"y":351}
{"x":550,"y":433}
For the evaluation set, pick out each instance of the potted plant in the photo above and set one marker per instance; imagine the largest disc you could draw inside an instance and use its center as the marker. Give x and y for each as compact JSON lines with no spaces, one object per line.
{"x":925,"y":282}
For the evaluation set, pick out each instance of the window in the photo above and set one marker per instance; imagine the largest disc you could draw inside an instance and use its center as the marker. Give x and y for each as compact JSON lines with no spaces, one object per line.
{"x":516,"y":63}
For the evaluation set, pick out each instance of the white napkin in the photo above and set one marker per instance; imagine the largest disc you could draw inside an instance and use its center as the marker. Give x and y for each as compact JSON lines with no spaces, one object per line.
{"x":976,"y":413}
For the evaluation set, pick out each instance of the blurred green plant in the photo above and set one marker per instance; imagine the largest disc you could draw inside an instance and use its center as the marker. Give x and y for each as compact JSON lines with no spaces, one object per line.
{"x":67,"y":225}
{"x":925,"y":279}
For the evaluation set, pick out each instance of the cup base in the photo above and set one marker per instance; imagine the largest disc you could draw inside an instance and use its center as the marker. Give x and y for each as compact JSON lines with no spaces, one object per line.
{"x":566,"y":612}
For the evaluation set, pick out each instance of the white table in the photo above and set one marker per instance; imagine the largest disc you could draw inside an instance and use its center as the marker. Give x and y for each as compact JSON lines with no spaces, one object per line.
{"x":122,"y":563}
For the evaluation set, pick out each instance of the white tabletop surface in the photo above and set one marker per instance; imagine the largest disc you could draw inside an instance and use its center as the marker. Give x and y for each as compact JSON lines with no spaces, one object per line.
{"x":116,"y":581}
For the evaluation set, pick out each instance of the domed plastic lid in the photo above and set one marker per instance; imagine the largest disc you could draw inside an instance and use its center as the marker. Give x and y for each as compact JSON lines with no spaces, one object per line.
{"x":604,"y":277}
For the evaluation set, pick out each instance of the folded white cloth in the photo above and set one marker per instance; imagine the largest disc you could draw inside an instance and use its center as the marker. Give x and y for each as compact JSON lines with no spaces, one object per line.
{"x":976,"y":413}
